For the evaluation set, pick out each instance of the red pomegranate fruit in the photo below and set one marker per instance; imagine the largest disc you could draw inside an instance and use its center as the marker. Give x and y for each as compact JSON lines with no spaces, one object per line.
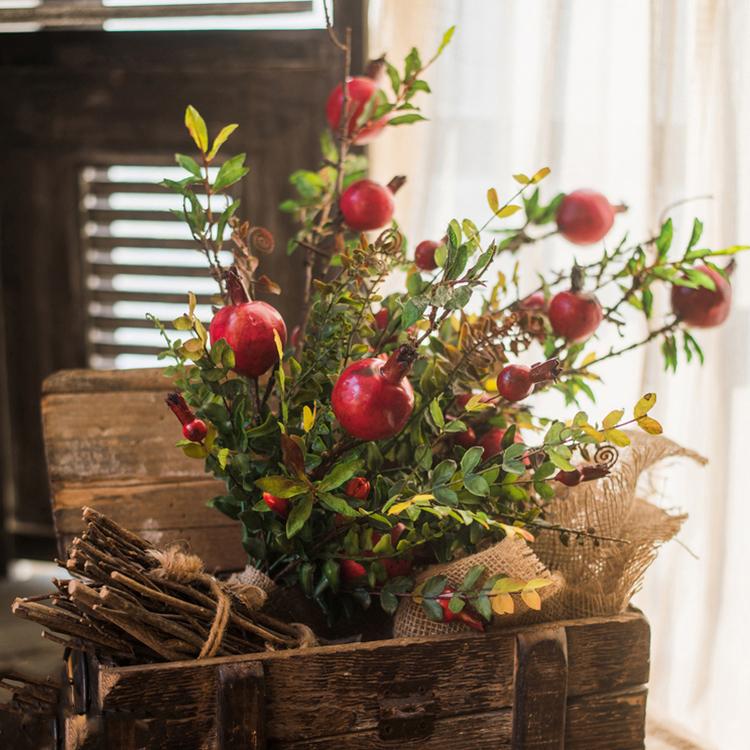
{"x":492,"y":441}
{"x":381,"y":318}
{"x":574,"y":315}
{"x":466,"y":439}
{"x":360,"y":90}
{"x":366,"y":205}
{"x":193,"y":429}
{"x":352,"y":571}
{"x":279,"y":505}
{"x":462,"y":616}
{"x":372,"y":398}
{"x":585,"y":216}
{"x":424,"y":255}
{"x":702,"y":307}
{"x":248,"y":329}
{"x":535,"y":301}
{"x":515,"y":382}
{"x":357,"y":488}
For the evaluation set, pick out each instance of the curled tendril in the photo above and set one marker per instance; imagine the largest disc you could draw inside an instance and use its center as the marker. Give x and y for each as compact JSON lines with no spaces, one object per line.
{"x":389,"y":241}
{"x":260,"y":240}
{"x":606,"y":455}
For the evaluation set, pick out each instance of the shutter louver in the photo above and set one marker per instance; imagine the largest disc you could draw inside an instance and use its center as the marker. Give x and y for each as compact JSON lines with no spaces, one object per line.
{"x":139,"y":258}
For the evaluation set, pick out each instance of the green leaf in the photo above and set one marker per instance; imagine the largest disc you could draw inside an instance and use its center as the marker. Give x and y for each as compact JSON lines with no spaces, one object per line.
{"x":447,"y":36}
{"x":338,"y":505}
{"x":230,"y":172}
{"x":413,"y":63}
{"x":196,"y":126}
{"x":339,"y":474}
{"x":282,"y":486}
{"x":221,"y":138}
{"x":456,"y":425}
{"x":388,"y":601}
{"x":471,"y":578}
{"x":412,"y":312}
{"x":470,"y":460}
{"x":394,"y":77}
{"x":483,"y":606}
{"x":299,"y":515}
{"x":437,"y":414}
{"x":406,"y":119}
{"x":226,"y":215}
{"x":433,"y":609}
{"x":664,"y":240}
{"x":434,"y":586}
{"x":443,"y":472}
{"x":331,"y":572}
{"x":696,"y":234}
{"x":188,"y":163}
{"x":477,"y":485}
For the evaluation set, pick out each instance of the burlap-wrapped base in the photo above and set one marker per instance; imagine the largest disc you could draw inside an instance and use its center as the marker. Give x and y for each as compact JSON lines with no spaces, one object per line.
{"x":589,"y":579}
{"x":512,"y":557}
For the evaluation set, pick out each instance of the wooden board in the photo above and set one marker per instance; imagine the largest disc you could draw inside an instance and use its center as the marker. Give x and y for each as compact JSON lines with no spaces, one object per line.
{"x":466,"y":685}
{"x":109,"y":440}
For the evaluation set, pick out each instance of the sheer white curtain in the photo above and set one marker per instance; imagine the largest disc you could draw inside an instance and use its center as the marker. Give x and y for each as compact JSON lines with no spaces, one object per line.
{"x":647,"y":102}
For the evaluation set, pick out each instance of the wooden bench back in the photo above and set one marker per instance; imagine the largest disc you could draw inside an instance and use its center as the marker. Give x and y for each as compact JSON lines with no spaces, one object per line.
{"x":109,"y":439}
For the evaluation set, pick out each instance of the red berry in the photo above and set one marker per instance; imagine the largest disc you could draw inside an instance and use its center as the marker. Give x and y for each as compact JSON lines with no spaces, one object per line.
{"x":535,"y":301}
{"x":574,"y":315}
{"x":703,"y":308}
{"x":352,"y":571}
{"x":515,"y":382}
{"x":569,"y":478}
{"x":278,"y":505}
{"x":381,"y":319}
{"x":585,"y":217}
{"x":373,"y":399}
{"x":195,"y":431}
{"x":366,"y":205}
{"x":424,"y":255}
{"x":248,"y":329}
{"x":492,"y":441}
{"x":462,"y":616}
{"x":466,"y":439}
{"x":359,"y":90}
{"x":357,"y":488}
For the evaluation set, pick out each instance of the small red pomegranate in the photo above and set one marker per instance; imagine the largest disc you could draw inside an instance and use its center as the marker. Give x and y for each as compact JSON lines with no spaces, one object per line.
{"x":193,"y":429}
{"x":492,"y":441}
{"x":352,"y":571}
{"x":703,"y":308}
{"x":360,"y":90}
{"x":357,"y":488}
{"x":248,"y":329}
{"x":574,"y":315}
{"x":462,"y":616}
{"x":366,"y":205}
{"x":279,"y":505}
{"x":466,"y":439}
{"x":424,"y":255}
{"x":381,"y":318}
{"x":515,"y":382}
{"x":535,"y":301}
{"x":585,"y":216}
{"x":373,"y":399}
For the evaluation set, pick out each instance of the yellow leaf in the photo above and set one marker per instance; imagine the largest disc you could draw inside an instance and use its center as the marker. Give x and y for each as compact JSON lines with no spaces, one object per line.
{"x":521,"y":178}
{"x":490,"y":385}
{"x":531,"y":599}
{"x":192,"y":302}
{"x":537,"y":583}
{"x":279,"y":345}
{"x":650,"y":425}
{"x":394,"y":510}
{"x":421,"y":498}
{"x":507,"y":211}
{"x":475,"y":403}
{"x":588,"y":359}
{"x":502,"y":604}
{"x":612,"y":418}
{"x":196,"y":126}
{"x":194,"y":450}
{"x":224,"y":133}
{"x":508,"y":586}
{"x":589,"y":430}
{"x":517,"y":531}
{"x":193,"y":346}
{"x":540,"y":175}
{"x":493,"y":200}
{"x":619,"y":438}
{"x":200,"y":330}
{"x":308,"y":418}
{"x":644,"y":405}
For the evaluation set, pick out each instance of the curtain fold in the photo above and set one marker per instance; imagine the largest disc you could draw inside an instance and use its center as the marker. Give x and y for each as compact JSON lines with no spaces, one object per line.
{"x":646,"y":101}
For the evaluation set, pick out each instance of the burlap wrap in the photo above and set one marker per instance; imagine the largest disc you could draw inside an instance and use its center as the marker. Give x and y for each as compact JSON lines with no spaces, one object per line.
{"x":588,"y":580}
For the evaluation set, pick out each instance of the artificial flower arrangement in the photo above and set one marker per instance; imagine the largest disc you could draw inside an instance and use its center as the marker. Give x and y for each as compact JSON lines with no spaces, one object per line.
{"x":386,"y":433}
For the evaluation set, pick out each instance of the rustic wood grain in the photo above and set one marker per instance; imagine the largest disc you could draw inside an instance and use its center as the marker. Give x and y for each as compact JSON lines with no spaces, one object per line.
{"x":468,"y":675}
{"x":241,"y":707}
{"x":541,"y":684}
{"x":615,"y":721}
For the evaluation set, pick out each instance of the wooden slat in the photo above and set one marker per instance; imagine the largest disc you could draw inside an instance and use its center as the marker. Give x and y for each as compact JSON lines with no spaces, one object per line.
{"x":108,"y":270}
{"x":112,"y":350}
{"x":101,"y":323}
{"x":107,"y":215}
{"x":109,"y":296}
{"x":76,"y":14}
{"x":241,"y":707}
{"x":467,"y":674}
{"x":103,"y":241}
{"x":102,"y":187}
{"x":98,"y":381}
{"x":615,"y":721}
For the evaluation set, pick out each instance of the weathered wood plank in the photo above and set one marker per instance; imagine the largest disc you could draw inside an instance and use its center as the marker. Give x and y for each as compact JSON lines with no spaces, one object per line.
{"x":97,"y":381}
{"x":615,"y":721}
{"x":541,"y":685}
{"x":241,"y":707}
{"x":467,"y":674}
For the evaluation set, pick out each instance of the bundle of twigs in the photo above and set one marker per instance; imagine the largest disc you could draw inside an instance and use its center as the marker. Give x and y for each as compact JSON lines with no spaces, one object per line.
{"x":133,"y":603}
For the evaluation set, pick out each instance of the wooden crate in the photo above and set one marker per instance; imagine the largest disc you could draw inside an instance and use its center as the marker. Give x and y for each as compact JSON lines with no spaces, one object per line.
{"x":578,"y":684}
